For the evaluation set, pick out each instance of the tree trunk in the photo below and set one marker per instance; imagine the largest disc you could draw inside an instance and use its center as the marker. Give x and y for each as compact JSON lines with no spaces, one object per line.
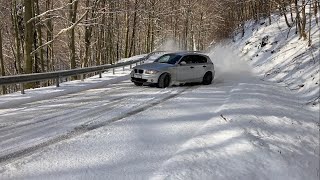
{"x":87,"y":39}
{"x":2,"y":63}
{"x":298,"y":23}
{"x":152,"y":25}
{"x":284,"y":12}
{"x":72,"y":19}
{"x":111,"y":56}
{"x":127,"y":30}
{"x":199,"y":33}
{"x":133,"y":39}
{"x":28,"y":41}
{"x":88,"y":32}
{"x":303,"y":20}
{"x":17,"y":37}
{"x":310,"y":16}
{"x":148,"y":38}
{"x":100,"y":40}
{"x":291,"y":11}
{"x":315,"y":11}
{"x":118,"y":46}
{"x":186,"y":27}
{"x":269,"y":12}
{"x":49,"y":33}
{"x":39,"y":33}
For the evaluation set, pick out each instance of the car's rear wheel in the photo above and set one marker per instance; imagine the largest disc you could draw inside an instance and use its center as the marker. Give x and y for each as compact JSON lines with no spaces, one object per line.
{"x":207,"y":78}
{"x":164,"y":80}
{"x":138,"y":83}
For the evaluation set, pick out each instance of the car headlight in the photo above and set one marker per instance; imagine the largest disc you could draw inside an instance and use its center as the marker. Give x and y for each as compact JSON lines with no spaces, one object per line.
{"x":151,"y":72}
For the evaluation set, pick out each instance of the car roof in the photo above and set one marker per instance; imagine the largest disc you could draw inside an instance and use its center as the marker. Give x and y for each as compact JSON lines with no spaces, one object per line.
{"x":184,"y":53}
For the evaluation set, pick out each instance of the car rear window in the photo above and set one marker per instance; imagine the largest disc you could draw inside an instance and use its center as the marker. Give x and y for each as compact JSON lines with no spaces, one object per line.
{"x":199,"y":59}
{"x":194,"y":59}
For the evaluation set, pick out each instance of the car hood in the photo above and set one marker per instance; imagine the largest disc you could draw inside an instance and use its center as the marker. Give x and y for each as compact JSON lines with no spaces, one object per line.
{"x":154,"y":66}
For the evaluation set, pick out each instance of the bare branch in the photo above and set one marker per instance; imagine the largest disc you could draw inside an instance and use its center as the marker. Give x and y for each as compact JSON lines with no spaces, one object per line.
{"x":50,"y":11}
{"x":60,"y":32}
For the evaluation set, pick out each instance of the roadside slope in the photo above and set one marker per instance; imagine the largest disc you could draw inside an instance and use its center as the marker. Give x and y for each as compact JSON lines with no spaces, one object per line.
{"x":276,"y":53}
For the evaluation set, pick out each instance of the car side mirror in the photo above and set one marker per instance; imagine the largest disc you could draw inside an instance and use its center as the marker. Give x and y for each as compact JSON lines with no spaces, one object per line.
{"x":182,"y":63}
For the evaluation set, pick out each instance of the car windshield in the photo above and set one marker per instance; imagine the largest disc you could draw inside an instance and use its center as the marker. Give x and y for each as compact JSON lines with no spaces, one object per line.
{"x":151,"y":57}
{"x":168,"y":58}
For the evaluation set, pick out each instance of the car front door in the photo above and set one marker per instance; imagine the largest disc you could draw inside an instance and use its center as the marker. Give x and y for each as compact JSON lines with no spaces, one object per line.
{"x":185,"y":69}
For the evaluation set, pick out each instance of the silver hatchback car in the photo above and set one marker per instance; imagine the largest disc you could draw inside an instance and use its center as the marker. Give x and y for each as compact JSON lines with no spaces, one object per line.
{"x":175,"y":68}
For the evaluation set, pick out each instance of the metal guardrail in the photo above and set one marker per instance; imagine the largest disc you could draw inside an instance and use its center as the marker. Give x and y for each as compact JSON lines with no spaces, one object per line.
{"x":57,"y":75}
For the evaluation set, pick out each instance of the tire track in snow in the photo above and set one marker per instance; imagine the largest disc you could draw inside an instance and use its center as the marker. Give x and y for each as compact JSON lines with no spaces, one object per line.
{"x":23,"y":134}
{"x":83,"y":115}
{"x":45,"y":126}
{"x":8,"y":158}
{"x":68,"y":112}
{"x":16,"y":124}
{"x":50,"y":117}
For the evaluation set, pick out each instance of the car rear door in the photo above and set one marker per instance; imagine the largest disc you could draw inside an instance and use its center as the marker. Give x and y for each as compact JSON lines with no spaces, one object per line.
{"x":200,"y":66}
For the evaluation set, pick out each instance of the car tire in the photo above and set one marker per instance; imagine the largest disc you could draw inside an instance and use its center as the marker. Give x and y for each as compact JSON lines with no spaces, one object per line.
{"x":164,"y":80}
{"x":138,"y":83}
{"x":207,"y":78}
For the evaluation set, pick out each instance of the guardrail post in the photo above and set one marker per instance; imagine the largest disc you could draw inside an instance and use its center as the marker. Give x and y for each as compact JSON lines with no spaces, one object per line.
{"x":123,"y":68}
{"x":57,"y":82}
{"x":82,"y":77}
{"x":100,"y":74}
{"x":22,"y":88}
{"x":113,"y":71}
{"x":136,"y":63}
{"x":130,"y":66}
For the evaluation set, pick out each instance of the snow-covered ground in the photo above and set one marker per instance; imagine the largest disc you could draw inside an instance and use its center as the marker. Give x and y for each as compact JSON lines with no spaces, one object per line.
{"x":276,"y":54}
{"x":243,"y":126}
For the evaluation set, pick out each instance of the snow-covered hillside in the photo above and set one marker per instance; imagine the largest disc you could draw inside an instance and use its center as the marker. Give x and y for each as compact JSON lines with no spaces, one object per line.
{"x":276,"y":53}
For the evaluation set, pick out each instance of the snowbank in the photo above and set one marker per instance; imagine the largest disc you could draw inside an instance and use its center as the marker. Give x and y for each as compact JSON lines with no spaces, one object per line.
{"x":276,"y":54}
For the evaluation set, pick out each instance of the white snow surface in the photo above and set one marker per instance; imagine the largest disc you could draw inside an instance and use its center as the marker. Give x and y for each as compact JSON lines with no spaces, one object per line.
{"x":285,"y":58}
{"x":243,"y":126}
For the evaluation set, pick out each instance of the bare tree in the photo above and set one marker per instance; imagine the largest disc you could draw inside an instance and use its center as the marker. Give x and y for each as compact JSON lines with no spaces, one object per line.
{"x":28,"y":35}
{"x":2,"y":62}
{"x":16,"y":32}
{"x":72,"y":18}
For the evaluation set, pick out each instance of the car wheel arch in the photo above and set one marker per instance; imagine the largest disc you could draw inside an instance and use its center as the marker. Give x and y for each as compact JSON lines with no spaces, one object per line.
{"x":205,"y":80}
{"x":161,"y":80}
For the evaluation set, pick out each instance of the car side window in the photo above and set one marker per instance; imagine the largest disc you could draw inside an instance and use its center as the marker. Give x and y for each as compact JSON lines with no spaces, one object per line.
{"x":187,"y":60}
{"x":199,"y":59}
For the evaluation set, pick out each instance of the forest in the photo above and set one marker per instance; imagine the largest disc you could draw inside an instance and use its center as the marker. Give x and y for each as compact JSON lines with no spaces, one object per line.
{"x":49,"y":35}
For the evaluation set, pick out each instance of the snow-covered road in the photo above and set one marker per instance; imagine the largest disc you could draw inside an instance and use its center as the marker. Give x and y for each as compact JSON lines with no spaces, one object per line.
{"x":27,"y":128}
{"x":237,"y":128}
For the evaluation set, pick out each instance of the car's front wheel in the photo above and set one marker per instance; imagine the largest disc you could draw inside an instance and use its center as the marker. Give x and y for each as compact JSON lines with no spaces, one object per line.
{"x":207,"y":78}
{"x":164,"y":80}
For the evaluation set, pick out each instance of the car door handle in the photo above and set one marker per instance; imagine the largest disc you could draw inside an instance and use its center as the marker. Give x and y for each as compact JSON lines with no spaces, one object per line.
{"x":191,"y":67}
{"x":204,"y":66}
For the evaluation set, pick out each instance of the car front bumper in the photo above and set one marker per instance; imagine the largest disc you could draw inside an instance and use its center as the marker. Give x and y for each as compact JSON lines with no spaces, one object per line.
{"x":144,"y":78}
